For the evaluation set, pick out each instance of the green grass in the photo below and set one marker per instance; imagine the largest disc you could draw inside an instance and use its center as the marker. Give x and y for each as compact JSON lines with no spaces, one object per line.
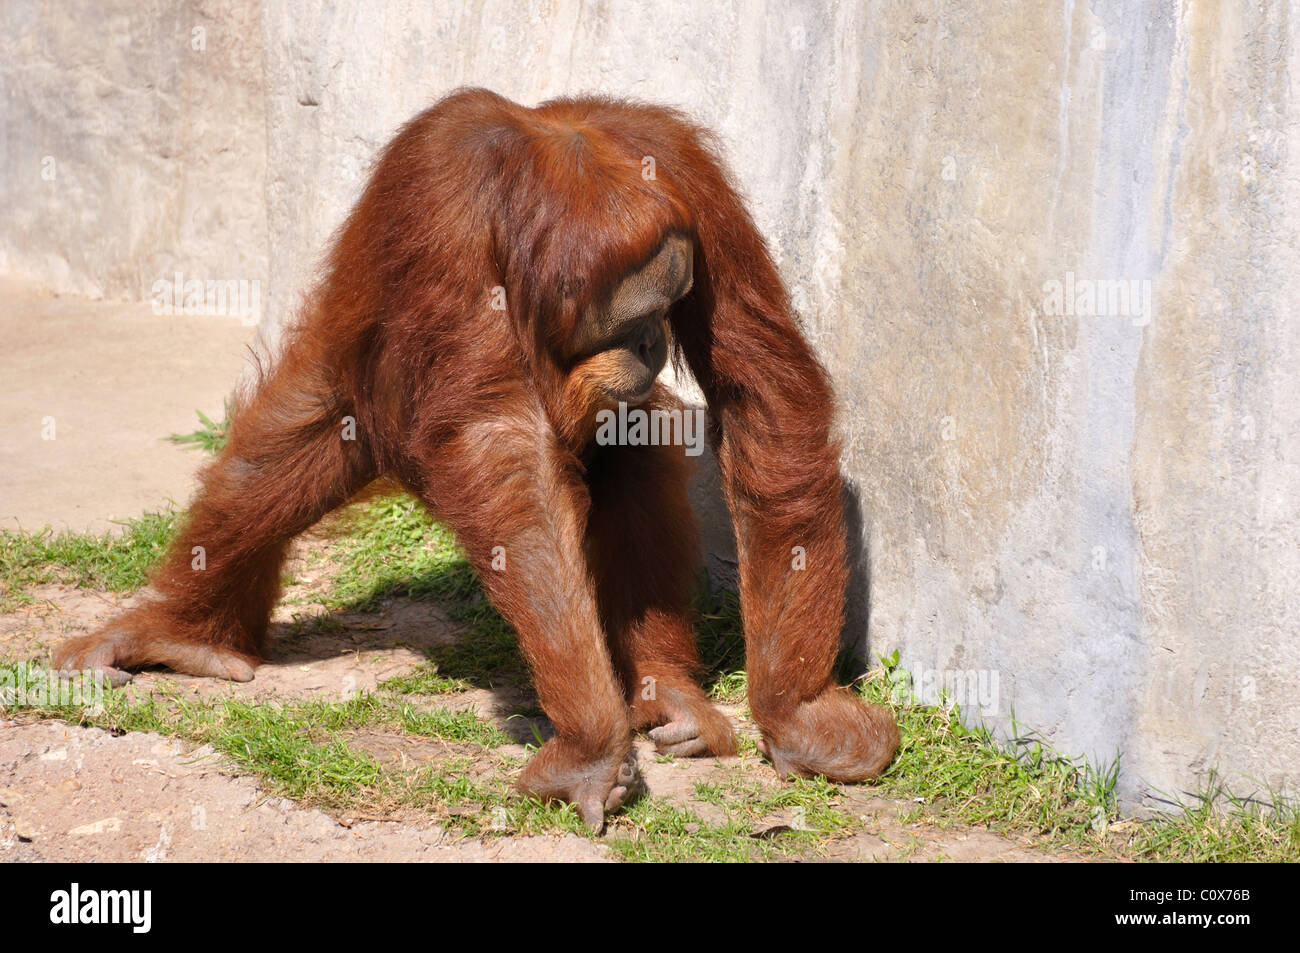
{"x":425,"y":679}
{"x":1218,"y":826}
{"x":653,"y":830}
{"x":211,"y":436}
{"x":463,"y":726}
{"x":389,"y":548}
{"x":116,"y":562}
{"x":290,"y":749}
{"x":663,"y":832}
{"x":722,"y":643}
{"x":966,"y":776}
{"x":299,"y":749}
{"x":303,"y":750}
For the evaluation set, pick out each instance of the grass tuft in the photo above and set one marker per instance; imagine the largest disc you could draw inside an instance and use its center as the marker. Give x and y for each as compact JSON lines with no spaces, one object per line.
{"x":211,"y":436}
{"x":116,"y":562}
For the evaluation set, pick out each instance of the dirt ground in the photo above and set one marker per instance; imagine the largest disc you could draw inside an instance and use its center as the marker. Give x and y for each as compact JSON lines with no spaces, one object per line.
{"x":117,"y":380}
{"x":90,"y":390}
{"x":71,"y":793}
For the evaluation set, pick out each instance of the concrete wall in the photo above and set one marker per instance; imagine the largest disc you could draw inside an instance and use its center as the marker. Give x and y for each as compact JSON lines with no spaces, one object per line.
{"x":132,"y":143}
{"x":1092,"y":509}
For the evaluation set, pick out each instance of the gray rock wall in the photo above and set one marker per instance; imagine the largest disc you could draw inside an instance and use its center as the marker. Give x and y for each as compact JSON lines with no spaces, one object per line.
{"x":1080,"y":504}
{"x":132,"y":143}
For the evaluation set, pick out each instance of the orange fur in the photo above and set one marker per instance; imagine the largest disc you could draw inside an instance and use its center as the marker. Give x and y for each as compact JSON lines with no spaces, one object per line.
{"x":480,"y":413}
